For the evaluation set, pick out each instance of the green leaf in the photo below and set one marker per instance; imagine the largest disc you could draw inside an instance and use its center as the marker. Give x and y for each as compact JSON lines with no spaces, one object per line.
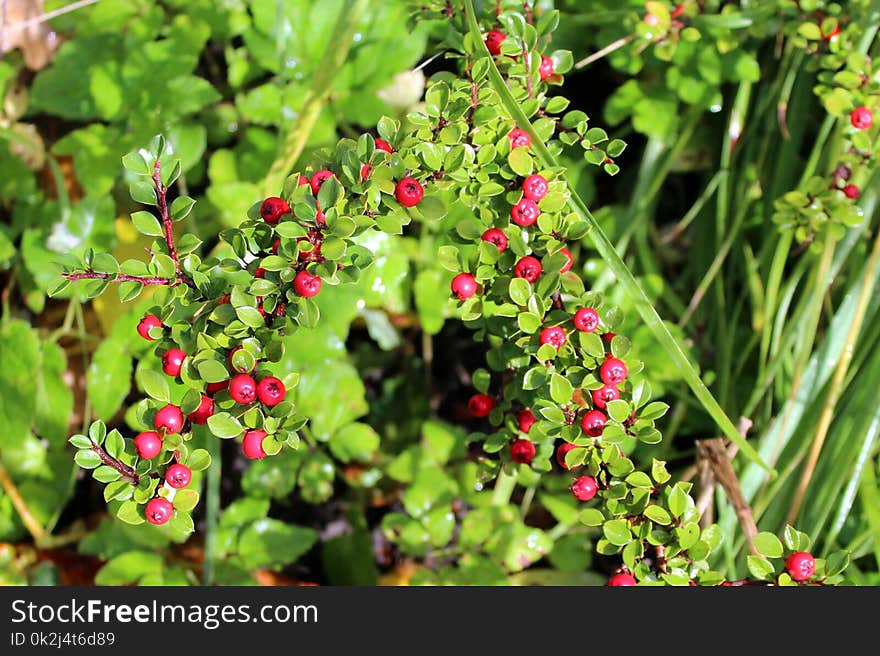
{"x":224,"y":425}
{"x":356,"y":442}
{"x":612,"y":258}
{"x":198,"y":460}
{"x":130,"y":513}
{"x":146,"y":223}
{"x":592,"y":517}
{"x":657,"y":514}
{"x":519,"y":291}
{"x":87,"y":459}
{"x":269,"y":542}
{"x":154,"y":384}
{"x":561,"y":389}
{"x":760,"y":568}
{"x":520,"y":161}
{"x":768,"y":545}
{"x":185,"y":500}
{"x":617,"y":532}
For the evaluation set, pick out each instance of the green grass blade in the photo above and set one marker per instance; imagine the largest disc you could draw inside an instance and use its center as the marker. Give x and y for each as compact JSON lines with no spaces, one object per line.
{"x":615,"y":263}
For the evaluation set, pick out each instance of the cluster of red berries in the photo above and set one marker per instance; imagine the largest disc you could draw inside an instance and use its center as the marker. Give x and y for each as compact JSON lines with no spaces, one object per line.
{"x":523,"y":214}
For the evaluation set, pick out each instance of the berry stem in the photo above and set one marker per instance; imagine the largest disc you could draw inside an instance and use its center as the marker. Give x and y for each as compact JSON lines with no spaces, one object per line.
{"x":167,"y":223}
{"x":89,"y":274}
{"x":127,"y":472}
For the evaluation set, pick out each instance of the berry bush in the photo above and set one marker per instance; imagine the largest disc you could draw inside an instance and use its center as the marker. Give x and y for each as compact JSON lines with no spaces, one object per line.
{"x":291,"y":416}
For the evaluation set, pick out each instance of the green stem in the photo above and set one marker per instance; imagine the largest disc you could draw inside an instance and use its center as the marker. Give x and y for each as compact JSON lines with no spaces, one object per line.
{"x":212,"y":507}
{"x":504,"y":486}
{"x":606,"y":250}
{"x":328,"y":69}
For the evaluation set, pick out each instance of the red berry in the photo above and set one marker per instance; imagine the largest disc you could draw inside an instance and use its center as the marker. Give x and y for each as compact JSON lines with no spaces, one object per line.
{"x":243,"y":389}
{"x":159,"y":511}
{"x":525,"y":419}
{"x":381,"y":144}
{"x":303,"y":180}
{"x":553,"y":335}
{"x":861,"y":118}
{"x":603,"y":395}
{"x":593,"y":422}
{"x":213,"y":388}
{"x":586,"y":320}
{"x":522,"y":451}
{"x":851,"y":191}
{"x":622,"y":579}
{"x":148,"y":444}
{"x":584,"y":488}
{"x":409,"y":192}
{"x":178,"y":476}
{"x":169,"y":419}
{"x":535,"y":187}
{"x":234,"y":368}
{"x":172,"y":361}
{"x":525,"y":212}
{"x":366,"y":169}
{"x":320,"y":217}
{"x":206,"y":408}
{"x":464,"y":285}
{"x":564,"y":448}
{"x":275,"y":246}
{"x":493,"y":41}
{"x":613,"y":371}
{"x":569,"y":260}
{"x":252,"y":445}
{"x":481,"y":405}
{"x":547,"y":67}
{"x":519,"y":138}
{"x":528,"y":268}
{"x":271,"y":391}
{"x":145,"y":324}
{"x":497,"y":237}
{"x":319,"y":178}
{"x":273,"y":208}
{"x":307,"y":285}
{"x":800,"y":565}
{"x":608,"y":337}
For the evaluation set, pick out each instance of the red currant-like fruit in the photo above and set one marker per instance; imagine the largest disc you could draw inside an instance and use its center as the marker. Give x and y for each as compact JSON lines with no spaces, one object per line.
{"x":861,"y":118}
{"x":522,"y":451}
{"x":169,"y":419}
{"x":525,"y":212}
{"x":547,"y":67}
{"x":851,"y":191}
{"x":158,"y":511}
{"x":497,"y":237}
{"x":271,"y":391}
{"x":148,"y":444}
{"x":172,"y":361}
{"x":563,"y":449}
{"x":622,"y":579}
{"x":366,"y":169}
{"x":259,"y":272}
{"x":584,"y":488}
{"x":273,"y":208}
{"x":603,"y":395}
{"x":800,"y":565}
{"x":569,"y":260}
{"x":178,"y":476}
{"x":243,"y":389}
{"x":528,"y":268}
{"x":306,"y":285}
{"x":481,"y":405}
{"x":320,"y":218}
{"x":464,"y":285}
{"x":409,"y":192}
{"x":586,"y":320}
{"x":519,"y":138}
{"x":613,"y":371}
{"x":206,"y":409}
{"x":553,"y":335}
{"x":319,"y":178}
{"x":275,"y":246}
{"x":381,"y":144}
{"x":213,"y":388}
{"x":303,"y":180}
{"x":535,"y":187}
{"x":494,"y":39}
{"x":593,"y":422}
{"x":252,"y":445}
{"x":525,"y":419}
{"x":145,"y":324}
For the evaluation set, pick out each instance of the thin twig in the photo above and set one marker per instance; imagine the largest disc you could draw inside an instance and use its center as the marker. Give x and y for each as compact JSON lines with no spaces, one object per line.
{"x":607,"y":50}
{"x":120,"y":277}
{"x":27,"y":518}
{"x":167,"y":223}
{"x":127,"y":472}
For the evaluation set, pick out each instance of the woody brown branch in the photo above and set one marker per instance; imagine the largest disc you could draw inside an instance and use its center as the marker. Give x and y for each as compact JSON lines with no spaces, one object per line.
{"x":127,"y":472}
{"x":89,"y":274}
